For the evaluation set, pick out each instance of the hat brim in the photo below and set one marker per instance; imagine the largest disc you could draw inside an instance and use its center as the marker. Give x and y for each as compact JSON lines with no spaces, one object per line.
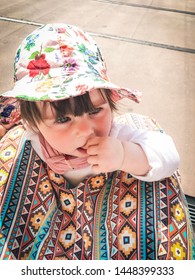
{"x":59,"y":88}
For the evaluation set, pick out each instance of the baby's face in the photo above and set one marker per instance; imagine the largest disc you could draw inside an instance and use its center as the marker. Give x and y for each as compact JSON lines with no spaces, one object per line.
{"x":69,"y":134}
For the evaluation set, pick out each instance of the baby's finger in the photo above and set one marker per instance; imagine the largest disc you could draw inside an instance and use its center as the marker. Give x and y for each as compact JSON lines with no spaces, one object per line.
{"x":93,"y":160}
{"x":92,"y":150}
{"x":96,"y":169}
{"x":93,"y":141}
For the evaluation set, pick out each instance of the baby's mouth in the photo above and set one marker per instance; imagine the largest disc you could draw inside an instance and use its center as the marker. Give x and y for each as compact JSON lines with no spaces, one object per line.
{"x":82,"y":150}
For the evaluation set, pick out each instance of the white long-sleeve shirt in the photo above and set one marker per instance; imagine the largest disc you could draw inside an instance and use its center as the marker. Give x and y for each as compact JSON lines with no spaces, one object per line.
{"x":159,"y":149}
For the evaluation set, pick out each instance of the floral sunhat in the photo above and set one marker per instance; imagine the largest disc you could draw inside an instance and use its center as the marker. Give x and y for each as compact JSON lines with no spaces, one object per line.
{"x":58,"y":61}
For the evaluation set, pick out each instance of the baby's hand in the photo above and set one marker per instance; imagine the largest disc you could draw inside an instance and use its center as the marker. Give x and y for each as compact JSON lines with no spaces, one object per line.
{"x":106,"y":154}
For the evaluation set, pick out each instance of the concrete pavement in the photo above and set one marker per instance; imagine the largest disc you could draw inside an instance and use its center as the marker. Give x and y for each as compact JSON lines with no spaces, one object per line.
{"x":148,"y":45}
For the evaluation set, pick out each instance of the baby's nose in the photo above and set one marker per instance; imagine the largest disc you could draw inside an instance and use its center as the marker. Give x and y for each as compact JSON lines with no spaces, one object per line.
{"x":85,"y":128}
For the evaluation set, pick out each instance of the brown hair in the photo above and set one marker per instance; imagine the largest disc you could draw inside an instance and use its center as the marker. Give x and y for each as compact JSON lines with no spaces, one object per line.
{"x":76,"y":106}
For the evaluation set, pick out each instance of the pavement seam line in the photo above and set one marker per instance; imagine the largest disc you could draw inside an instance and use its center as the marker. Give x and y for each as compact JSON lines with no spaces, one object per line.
{"x":112,"y":37}
{"x":147,"y":7}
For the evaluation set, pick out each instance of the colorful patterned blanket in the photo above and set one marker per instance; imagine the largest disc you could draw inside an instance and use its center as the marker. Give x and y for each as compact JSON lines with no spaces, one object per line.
{"x":108,"y":216}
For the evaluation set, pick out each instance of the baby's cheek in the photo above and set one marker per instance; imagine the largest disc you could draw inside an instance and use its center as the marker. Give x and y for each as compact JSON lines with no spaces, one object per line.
{"x":106,"y":127}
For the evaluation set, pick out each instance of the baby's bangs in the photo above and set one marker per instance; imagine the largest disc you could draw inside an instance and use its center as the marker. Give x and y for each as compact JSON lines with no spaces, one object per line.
{"x":76,"y":106}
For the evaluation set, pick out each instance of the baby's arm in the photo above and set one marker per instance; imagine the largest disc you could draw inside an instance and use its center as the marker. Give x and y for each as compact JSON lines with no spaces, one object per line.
{"x":159,"y":150}
{"x":147,"y":155}
{"x":134,"y":159}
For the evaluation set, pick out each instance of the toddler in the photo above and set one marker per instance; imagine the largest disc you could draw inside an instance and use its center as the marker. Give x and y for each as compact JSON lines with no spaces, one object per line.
{"x":76,"y":181}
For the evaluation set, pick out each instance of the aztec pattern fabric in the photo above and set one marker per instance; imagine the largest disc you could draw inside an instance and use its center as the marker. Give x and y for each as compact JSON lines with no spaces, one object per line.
{"x":108,"y":216}
{"x":9,"y":111}
{"x":9,"y":114}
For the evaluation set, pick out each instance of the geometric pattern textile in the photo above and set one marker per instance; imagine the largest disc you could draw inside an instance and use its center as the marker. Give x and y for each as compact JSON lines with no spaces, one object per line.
{"x":107,"y":216}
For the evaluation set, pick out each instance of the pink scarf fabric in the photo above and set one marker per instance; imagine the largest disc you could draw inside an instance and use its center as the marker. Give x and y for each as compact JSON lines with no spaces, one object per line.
{"x":60,"y":163}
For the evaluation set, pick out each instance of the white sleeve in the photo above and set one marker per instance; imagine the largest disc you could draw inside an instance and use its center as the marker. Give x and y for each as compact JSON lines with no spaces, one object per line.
{"x":159,"y":148}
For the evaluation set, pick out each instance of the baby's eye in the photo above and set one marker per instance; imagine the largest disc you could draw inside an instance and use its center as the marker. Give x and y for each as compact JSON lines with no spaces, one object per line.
{"x":62,"y":119}
{"x":95,"y":111}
